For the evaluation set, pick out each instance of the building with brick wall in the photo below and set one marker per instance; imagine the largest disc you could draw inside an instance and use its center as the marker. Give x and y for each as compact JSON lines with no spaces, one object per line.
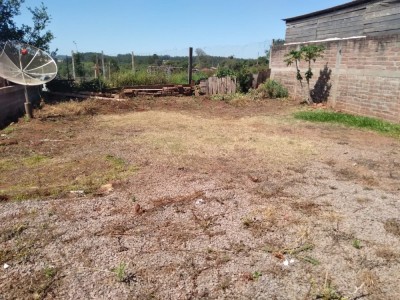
{"x":360,"y":70}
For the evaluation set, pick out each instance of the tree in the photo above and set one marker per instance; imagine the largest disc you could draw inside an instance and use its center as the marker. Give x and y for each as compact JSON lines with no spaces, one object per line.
{"x":35,"y":35}
{"x":309,"y":54}
{"x":203,"y":59}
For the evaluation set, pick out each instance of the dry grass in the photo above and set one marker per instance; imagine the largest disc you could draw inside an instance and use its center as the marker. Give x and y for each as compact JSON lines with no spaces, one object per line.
{"x":190,"y":136}
{"x":204,"y":199}
{"x":393,"y":226}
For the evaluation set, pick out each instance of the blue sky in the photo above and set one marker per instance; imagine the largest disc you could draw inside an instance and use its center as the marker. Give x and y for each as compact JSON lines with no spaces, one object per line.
{"x":235,"y":27}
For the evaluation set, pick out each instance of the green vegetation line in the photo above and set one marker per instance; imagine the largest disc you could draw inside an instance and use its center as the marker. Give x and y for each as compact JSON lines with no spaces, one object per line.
{"x":350,"y":120}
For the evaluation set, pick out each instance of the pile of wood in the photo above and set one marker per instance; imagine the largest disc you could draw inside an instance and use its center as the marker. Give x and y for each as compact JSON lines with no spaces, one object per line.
{"x":157,"y":90}
{"x":128,"y":92}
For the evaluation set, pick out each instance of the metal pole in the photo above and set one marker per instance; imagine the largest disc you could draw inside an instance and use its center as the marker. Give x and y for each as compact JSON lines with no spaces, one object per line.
{"x":190,"y":68}
{"x":28,"y":105}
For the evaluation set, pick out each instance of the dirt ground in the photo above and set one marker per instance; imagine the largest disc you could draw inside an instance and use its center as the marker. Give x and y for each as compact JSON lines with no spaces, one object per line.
{"x":189,"y":198}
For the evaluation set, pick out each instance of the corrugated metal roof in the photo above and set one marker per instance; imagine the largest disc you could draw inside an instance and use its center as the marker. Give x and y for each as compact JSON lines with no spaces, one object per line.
{"x":328,"y":10}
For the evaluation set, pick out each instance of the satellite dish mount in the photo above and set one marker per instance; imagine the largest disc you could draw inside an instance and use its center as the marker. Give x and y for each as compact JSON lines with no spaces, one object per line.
{"x":28,"y":66}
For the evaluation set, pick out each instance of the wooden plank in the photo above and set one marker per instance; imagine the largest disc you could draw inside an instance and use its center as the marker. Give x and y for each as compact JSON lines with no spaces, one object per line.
{"x":383,"y":19}
{"x":380,"y":6}
{"x":355,"y":10}
{"x":352,"y":20}
{"x":343,"y":17}
{"x":382,"y":13}
{"x":338,"y":27}
{"x":393,"y":24}
{"x":340,"y":30}
{"x":385,"y":32}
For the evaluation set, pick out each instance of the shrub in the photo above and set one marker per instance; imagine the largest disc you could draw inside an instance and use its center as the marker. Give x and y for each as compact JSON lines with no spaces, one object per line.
{"x":94,"y":85}
{"x":224,"y":72}
{"x":271,"y":89}
{"x":127,"y":78}
{"x":244,"y":80}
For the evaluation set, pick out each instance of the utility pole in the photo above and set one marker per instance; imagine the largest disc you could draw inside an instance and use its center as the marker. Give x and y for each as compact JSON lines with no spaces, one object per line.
{"x":109,"y":69}
{"x":190,"y":69}
{"x":66,"y":59}
{"x":73,"y":65}
{"x":133,"y":63}
{"x":96,"y":67}
{"x":102,"y":64}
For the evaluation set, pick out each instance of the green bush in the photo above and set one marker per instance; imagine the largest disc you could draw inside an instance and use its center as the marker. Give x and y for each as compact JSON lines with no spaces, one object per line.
{"x":94,"y":85}
{"x":244,"y":80}
{"x":127,"y":78}
{"x":272,"y":89}
{"x":224,"y":72}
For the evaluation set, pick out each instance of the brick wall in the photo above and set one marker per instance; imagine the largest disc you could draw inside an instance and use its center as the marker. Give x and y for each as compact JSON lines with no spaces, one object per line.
{"x":364,"y":75}
{"x":12,"y":100}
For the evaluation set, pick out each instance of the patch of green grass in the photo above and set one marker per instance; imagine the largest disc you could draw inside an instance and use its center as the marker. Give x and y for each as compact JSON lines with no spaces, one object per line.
{"x":120,"y":271}
{"x":8,"y":130}
{"x":350,"y":120}
{"x":49,"y":271}
{"x":29,"y":178}
{"x":34,"y":160}
{"x":256,"y":275}
{"x":117,"y":162}
{"x":6,"y":165}
{"x":357,"y":244}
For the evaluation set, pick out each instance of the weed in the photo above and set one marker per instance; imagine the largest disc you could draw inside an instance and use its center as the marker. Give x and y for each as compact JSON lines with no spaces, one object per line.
{"x":120,"y":271}
{"x":13,"y":232}
{"x":227,"y":97}
{"x":270,"y":89}
{"x":247,"y":222}
{"x":117,"y":162}
{"x":310,"y":260}
{"x":329,"y":292}
{"x":8,"y":130}
{"x":49,"y":271}
{"x":256,"y":275}
{"x":357,"y":244}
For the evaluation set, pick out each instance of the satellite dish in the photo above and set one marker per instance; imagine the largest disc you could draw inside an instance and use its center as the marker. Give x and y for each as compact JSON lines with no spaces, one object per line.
{"x":26,"y":65}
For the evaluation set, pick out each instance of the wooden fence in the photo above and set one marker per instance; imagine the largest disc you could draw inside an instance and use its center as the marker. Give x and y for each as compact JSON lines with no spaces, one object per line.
{"x":215,"y":85}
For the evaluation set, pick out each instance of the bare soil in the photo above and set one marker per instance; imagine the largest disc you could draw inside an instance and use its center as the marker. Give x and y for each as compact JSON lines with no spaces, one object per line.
{"x":188,"y":198}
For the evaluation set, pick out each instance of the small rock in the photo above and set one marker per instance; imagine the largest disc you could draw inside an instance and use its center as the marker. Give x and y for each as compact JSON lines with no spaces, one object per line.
{"x":6,"y":266}
{"x":254,"y":178}
{"x":138,"y":209}
{"x":106,"y":189}
{"x":286,"y":262}
{"x":199,"y":201}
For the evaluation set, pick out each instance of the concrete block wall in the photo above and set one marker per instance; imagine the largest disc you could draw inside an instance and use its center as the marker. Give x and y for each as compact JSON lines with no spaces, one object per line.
{"x":12,"y":100}
{"x":364,"y":75}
